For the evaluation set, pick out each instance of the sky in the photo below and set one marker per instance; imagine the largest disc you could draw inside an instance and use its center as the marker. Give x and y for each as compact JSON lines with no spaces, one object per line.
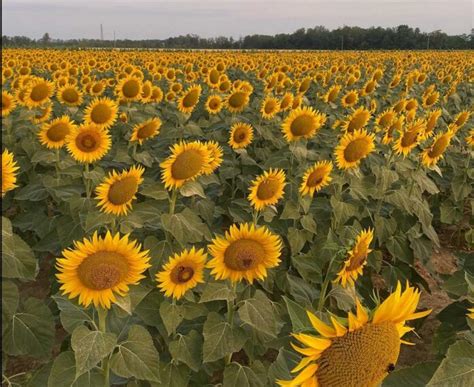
{"x":159,"y":19}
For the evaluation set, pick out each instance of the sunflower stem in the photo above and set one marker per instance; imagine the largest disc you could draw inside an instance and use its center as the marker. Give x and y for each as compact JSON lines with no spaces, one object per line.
{"x":230,"y":317}
{"x":87,"y":181}
{"x":57,"y":166}
{"x":379,"y":204}
{"x":102,"y":312}
{"x":255,"y":216}
{"x":412,"y":185}
{"x":134,"y":150}
{"x":324,"y":289}
{"x":174,"y":195}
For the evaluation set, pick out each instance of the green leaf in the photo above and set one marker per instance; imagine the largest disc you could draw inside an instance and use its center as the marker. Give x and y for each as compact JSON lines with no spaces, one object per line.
{"x":416,"y":376}
{"x":187,"y":349}
{"x":456,"y":285}
{"x":135,"y":295}
{"x":236,"y":375}
{"x":457,"y":368}
{"x":90,"y":347}
{"x":186,"y":227}
{"x":308,"y":223}
{"x":290,"y":211}
{"x":30,"y":331}
{"x":216,"y":291}
{"x":172,"y":315}
{"x":173,"y":375}
{"x":342,"y":211}
{"x":297,"y":239}
{"x":259,"y":313}
{"x":155,"y":191}
{"x":192,"y":188}
{"x":282,"y":366}
{"x":18,"y":260}
{"x":10,"y":299}
{"x":137,"y":356}
{"x":298,"y":316}
{"x":71,"y":314}
{"x":398,"y":246}
{"x":220,"y":339}
{"x":159,"y":251}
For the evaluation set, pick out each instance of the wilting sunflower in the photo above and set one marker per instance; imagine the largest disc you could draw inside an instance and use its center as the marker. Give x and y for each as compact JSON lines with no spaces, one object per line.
{"x":88,"y":143}
{"x":9,"y":173}
{"x":241,"y":135}
{"x":237,"y":101}
{"x":409,"y":138}
{"x":361,"y":353}
{"x":431,"y":155}
{"x":302,"y":123}
{"x":188,"y":101}
{"x":316,"y":177}
{"x":350,"y":98}
{"x":182,"y":272}
{"x":8,"y":103}
{"x":38,"y":92}
{"x":101,"y":112}
{"x":246,"y":252}
{"x":186,"y":162}
{"x":146,"y":130}
{"x":267,"y":189}
{"x":461,"y":119}
{"x":357,"y":120}
{"x":99,"y":268}
{"x":129,"y":89}
{"x":118,"y":191}
{"x":214,"y":104}
{"x":354,"y":147}
{"x":69,"y":95}
{"x":53,"y":134}
{"x":270,"y":107}
{"x":431,"y":121}
{"x":356,"y":259}
{"x":216,"y":153}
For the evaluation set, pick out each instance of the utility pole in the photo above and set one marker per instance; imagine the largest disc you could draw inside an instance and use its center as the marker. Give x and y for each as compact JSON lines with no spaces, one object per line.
{"x":101,"y":33}
{"x":114,"y":38}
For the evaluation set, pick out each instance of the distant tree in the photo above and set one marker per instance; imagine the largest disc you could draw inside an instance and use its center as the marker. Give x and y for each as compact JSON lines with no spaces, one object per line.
{"x":46,"y":39}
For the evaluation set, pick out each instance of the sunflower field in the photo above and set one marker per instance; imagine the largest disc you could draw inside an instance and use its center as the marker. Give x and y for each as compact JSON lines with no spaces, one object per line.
{"x":233,"y":218}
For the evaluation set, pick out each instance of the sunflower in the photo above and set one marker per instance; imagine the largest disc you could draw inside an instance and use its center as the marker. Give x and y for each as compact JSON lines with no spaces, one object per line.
{"x":146,"y":130}
{"x":214,"y":104}
{"x":100,"y":267}
{"x":430,"y":99}
{"x":461,"y":119}
{"x":182,"y":272}
{"x":431,"y":121}
{"x":357,"y":120}
{"x":385,"y":119}
{"x":216,"y":154}
{"x":395,"y":127}
{"x":270,"y":107}
{"x":38,"y":92}
{"x":361,"y":353}
{"x":470,"y":138}
{"x":9,"y":173}
{"x":186,"y":162}
{"x":129,"y":89}
{"x":53,"y":134}
{"x":69,"y":95}
{"x":302,"y":123}
{"x":356,"y":259}
{"x":246,"y":252}
{"x":409,"y":138}
{"x":431,"y":155}
{"x":156,"y":94}
{"x":237,"y":101}
{"x":267,"y":189}
{"x":286,"y":101}
{"x":354,"y":147}
{"x":188,"y":101}
{"x":118,"y":190}
{"x":42,"y":114}
{"x":331,"y":94}
{"x":350,"y":98}
{"x":88,"y":143}
{"x":101,"y":112}
{"x":241,"y":135}
{"x":316,"y":177}
{"x":8,"y":103}
{"x":470,"y":313}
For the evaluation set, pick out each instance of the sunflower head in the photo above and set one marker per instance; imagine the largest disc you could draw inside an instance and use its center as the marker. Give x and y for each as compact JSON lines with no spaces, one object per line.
{"x":101,"y":112}
{"x":237,"y":101}
{"x":53,"y":134}
{"x":409,"y":137}
{"x":302,"y":123}
{"x":8,"y":103}
{"x":188,"y":101}
{"x":316,"y":177}
{"x":38,"y":92}
{"x":69,"y":95}
{"x":146,"y":130}
{"x":129,"y":89}
{"x":88,"y":143}
{"x":214,"y":104}
{"x":350,"y":98}
{"x":286,"y":101}
{"x":9,"y":172}
{"x":354,"y":147}
{"x":216,"y":154}
{"x":357,"y":120}
{"x":241,"y":135}
{"x":270,"y":107}
{"x":267,"y":189}
{"x":431,"y":155}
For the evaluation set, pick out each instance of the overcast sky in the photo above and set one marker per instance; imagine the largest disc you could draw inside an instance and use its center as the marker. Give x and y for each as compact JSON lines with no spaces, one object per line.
{"x":148,"y":19}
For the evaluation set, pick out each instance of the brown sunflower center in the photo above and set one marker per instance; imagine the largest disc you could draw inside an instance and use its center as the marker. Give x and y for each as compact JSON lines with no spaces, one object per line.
{"x":240,"y":135}
{"x":237,"y":100}
{"x":191,"y":98}
{"x":358,"y":121}
{"x":123,"y":190}
{"x":214,"y":104}
{"x":6,"y":102}
{"x":244,"y":254}
{"x":360,"y":358}
{"x":101,"y":114}
{"x":39,"y":92}
{"x":431,"y":99}
{"x":58,"y":132}
{"x":188,"y":164}
{"x":268,"y":188}
{"x":358,"y":256}
{"x":461,"y":119}
{"x":181,"y":274}
{"x":70,"y":95}
{"x":302,"y":125}
{"x":350,"y":98}
{"x":146,"y":130}
{"x":386,"y":119}
{"x":270,"y":107}
{"x":87,"y":141}
{"x":102,"y":270}
{"x":356,"y":150}
{"x":409,"y":138}
{"x":315,"y":178}
{"x":131,"y":88}
{"x":439,"y":147}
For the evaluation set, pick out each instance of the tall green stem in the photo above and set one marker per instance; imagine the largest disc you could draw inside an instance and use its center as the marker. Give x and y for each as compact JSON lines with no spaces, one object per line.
{"x":57,"y":166}
{"x":413,"y":180}
{"x":103,"y":328}
{"x":230,"y":317}
{"x":174,"y":195}
{"x":87,"y":181}
{"x":324,"y":289}
{"x":379,"y":204}
{"x":255,"y":216}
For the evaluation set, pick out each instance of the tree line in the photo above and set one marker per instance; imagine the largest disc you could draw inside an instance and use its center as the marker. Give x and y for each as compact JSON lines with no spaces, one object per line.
{"x":402,"y":37}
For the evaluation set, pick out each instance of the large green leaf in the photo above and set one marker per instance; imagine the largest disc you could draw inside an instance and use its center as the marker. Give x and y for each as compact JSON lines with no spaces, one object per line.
{"x":172,"y":315}
{"x":187,"y":349}
{"x":298,"y":316}
{"x":216,"y":291}
{"x":236,"y":375}
{"x":173,"y":375}
{"x":71,"y":314}
{"x":415,"y":376}
{"x":260,"y":314}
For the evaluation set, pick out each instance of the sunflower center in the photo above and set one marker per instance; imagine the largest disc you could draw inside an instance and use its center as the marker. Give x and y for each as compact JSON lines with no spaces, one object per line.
{"x":70,"y":95}
{"x":191,"y":98}
{"x":315,"y":178}
{"x":102,"y":270}
{"x":243,"y":254}
{"x":236,"y":100}
{"x":267,"y":189}
{"x":357,"y":122}
{"x":131,"y":88}
{"x":461,"y":119}
{"x":146,"y":130}
{"x":123,"y":190}
{"x":101,"y":113}
{"x":355,"y":150}
{"x":87,"y":142}
{"x":431,"y":99}
{"x":58,"y":132}
{"x":439,"y":147}
{"x":350,"y":98}
{"x":358,"y":256}
{"x":39,"y":92}
{"x":269,"y":107}
{"x":187,"y":165}
{"x":181,"y":274}
{"x":385,"y":120}
{"x":360,"y":358}
{"x":409,"y":138}
{"x":302,"y":125}
{"x":240,"y":135}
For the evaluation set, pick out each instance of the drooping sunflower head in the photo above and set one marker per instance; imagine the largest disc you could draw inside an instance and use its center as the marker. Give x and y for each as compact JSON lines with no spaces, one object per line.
{"x":102,"y":112}
{"x":461,"y":119}
{"x":267,"y":189}
{"x":409,"y":138}
{"x":270,"y":107}
{"x":99,"y":268}
{"x":316,"y":178}
{"x":69,"y":95}
{"x":53,"y":134}
{"x":350,"y":98}
{"x":431,"y":155}
{"x":38,"y":92}
{"x":9,"y":172}
{"x":88,"y":143}
{"x":353,"y":148}
{"x":332,"y":93}
{"x":146,"y":130}
{"x":356,"y":259}
{"x":217,"y":156}
{"x":431,"y":121}
{"x":129,"y":89}
{"x":286,"y":101}
{"x":117,"y":192}
{"x":182,"y":272}
{"x":361,"y":353}
{"x":237,"y":101}
{"x":302,"y":123}
{"x":357,"y":120}
{"x":188,"y":101}
{"x":395,"y":127}
{"x":188,"y":160}
{"x":241,"y":135}
{"x":8,"y":103}
{"x":246,"y":252}
{"x":214,"y":104}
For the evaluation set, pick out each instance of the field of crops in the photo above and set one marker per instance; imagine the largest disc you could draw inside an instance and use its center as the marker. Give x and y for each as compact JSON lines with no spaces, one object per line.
{"x":188,"y":218}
